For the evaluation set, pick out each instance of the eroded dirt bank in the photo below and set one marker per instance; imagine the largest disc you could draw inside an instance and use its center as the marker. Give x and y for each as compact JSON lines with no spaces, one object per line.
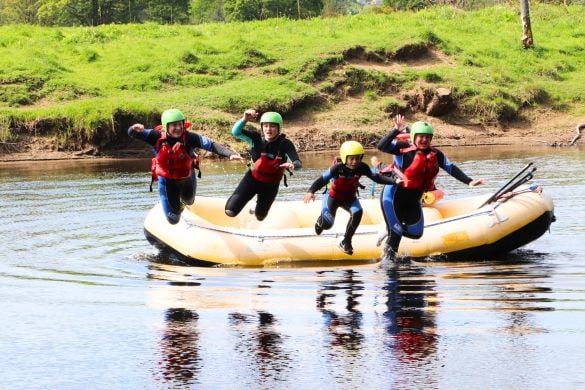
{"x":543,"y":129}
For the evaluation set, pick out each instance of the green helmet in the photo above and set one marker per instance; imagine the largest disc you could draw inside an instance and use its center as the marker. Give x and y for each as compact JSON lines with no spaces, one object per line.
{"x":170,"y":116}
{"x":272,"y":117}
{"x":420,"y":128}
{"x":350,"y":148}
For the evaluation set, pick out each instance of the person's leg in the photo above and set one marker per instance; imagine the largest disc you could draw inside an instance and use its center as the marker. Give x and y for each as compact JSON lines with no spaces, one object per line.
{"x":188,"y":188}
{"x":356,"y":212}
{"x":328,"y":210}
{"x":392,"y":242}
{"x":393,"y":224}
{"x":408,"y":207}
{"x":243,"y":193}
{"x":170,"y":200}
{"x":266,"y":196}
{"x":403,"y":214}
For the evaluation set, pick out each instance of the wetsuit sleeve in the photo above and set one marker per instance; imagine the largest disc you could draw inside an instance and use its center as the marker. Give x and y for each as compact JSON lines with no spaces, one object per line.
{"x":386,"y":145}
{"x":291,"y":153}
{"x":239,"y":132}
{"x":452,"y":169}
{"x":317,"y":185}
{"x":220,"y":150}
{"x":149,"y":136}
{"x":199,"y":141}
{"x":364,"y":170}
{"x":324,"y":179}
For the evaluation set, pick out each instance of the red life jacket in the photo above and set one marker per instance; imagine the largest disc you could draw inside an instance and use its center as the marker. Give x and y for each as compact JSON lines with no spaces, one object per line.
{"x":268,"y":170}
{"x":172,"y":162}
{"x":420,"y":174}
{"x":345,"y":188}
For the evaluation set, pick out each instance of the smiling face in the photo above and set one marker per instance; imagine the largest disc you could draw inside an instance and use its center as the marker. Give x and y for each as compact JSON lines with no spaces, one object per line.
{"x":270,"y":131}
{"x":352,"y":161}
{"x":176,"y":129}
{"x":423,"y":141}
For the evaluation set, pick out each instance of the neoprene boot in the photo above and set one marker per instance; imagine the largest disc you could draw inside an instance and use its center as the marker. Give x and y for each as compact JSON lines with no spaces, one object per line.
{"x":346,"y":247}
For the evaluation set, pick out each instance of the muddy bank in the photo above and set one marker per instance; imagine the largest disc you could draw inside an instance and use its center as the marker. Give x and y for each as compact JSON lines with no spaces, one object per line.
{"x":544,"y":129}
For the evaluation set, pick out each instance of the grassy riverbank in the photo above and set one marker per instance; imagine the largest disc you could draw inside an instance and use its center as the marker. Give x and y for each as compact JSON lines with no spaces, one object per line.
{"x":84,"y":86}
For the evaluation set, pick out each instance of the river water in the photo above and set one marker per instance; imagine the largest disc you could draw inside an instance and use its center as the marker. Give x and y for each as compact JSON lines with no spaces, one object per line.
{"x":86,"y":302}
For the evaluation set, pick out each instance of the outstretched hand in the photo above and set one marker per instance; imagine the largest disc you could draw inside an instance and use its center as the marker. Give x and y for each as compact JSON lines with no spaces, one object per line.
{"x":288,"y":165}
{"x":236,"y":157}
{"x":138,"y":127}
{"x":476,"y":182}
{"x":309,"y":196}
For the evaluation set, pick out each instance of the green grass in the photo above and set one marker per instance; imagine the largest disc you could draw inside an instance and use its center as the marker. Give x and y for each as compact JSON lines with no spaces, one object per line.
{"x":82,"y":80}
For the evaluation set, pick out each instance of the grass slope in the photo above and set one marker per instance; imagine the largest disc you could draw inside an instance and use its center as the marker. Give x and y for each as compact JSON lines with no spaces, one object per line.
{"x":88,"y":84}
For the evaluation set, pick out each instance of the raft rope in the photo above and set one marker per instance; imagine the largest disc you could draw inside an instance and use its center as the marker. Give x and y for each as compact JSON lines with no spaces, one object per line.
{"x":261,"y":237}
{"x":489,"y":211}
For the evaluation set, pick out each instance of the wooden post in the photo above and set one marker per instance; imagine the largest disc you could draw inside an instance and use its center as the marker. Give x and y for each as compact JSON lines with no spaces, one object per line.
{"x":527,"y":39}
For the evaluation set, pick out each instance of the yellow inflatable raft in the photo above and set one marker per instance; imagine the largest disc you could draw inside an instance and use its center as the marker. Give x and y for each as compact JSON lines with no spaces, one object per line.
{"x":454,"y":230}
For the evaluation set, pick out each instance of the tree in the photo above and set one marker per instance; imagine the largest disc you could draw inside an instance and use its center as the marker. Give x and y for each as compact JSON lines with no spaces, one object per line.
{"x":169,"y":11}
{"x":263,"y":9}
{"x":405,"y":4}
{"x":19,"y":11}
{"x":242,"y":10}
{"x":527,"y":39}
{"x":84,"y":12}
{"x":96,"y":12}
{"x":334,"y":7}
{"x":203,"y":11}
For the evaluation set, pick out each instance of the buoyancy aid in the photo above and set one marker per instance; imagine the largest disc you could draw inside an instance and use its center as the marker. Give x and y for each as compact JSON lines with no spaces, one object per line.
{"x":336,"y":160}
{"x":420,"y":174}
{"x":173,"y":162}
{"x":404,"y":137}
{"x":345,"y":186}
{"x":268,"y":170}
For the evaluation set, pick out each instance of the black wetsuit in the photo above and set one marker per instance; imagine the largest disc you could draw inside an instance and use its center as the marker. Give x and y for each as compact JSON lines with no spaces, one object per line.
{"x":249,"y":186}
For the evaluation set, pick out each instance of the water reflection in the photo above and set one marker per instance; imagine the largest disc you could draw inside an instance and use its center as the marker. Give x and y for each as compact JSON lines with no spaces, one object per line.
{"x":179,"y":345}
{"x":76,"y":272}
{"x":259,"y":342}
{"x":409,"y":318}
{"x":515,"y":283}
{"x":343,"y":321}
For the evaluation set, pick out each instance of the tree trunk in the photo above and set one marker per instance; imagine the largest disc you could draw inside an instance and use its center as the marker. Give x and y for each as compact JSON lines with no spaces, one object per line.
{"x":527,"y":39}
{"x":94,"y":13}
{"x":299,"y":8}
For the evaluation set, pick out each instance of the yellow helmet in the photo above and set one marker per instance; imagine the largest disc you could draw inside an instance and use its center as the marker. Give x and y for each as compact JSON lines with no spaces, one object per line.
{"x":350,"y":148}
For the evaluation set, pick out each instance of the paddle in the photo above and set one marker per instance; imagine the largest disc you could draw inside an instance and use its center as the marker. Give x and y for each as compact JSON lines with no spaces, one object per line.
{"x":513,"y":183}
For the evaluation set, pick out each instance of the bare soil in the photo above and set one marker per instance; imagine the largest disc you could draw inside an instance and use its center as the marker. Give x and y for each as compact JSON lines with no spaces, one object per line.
{"x":325,"y":129}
